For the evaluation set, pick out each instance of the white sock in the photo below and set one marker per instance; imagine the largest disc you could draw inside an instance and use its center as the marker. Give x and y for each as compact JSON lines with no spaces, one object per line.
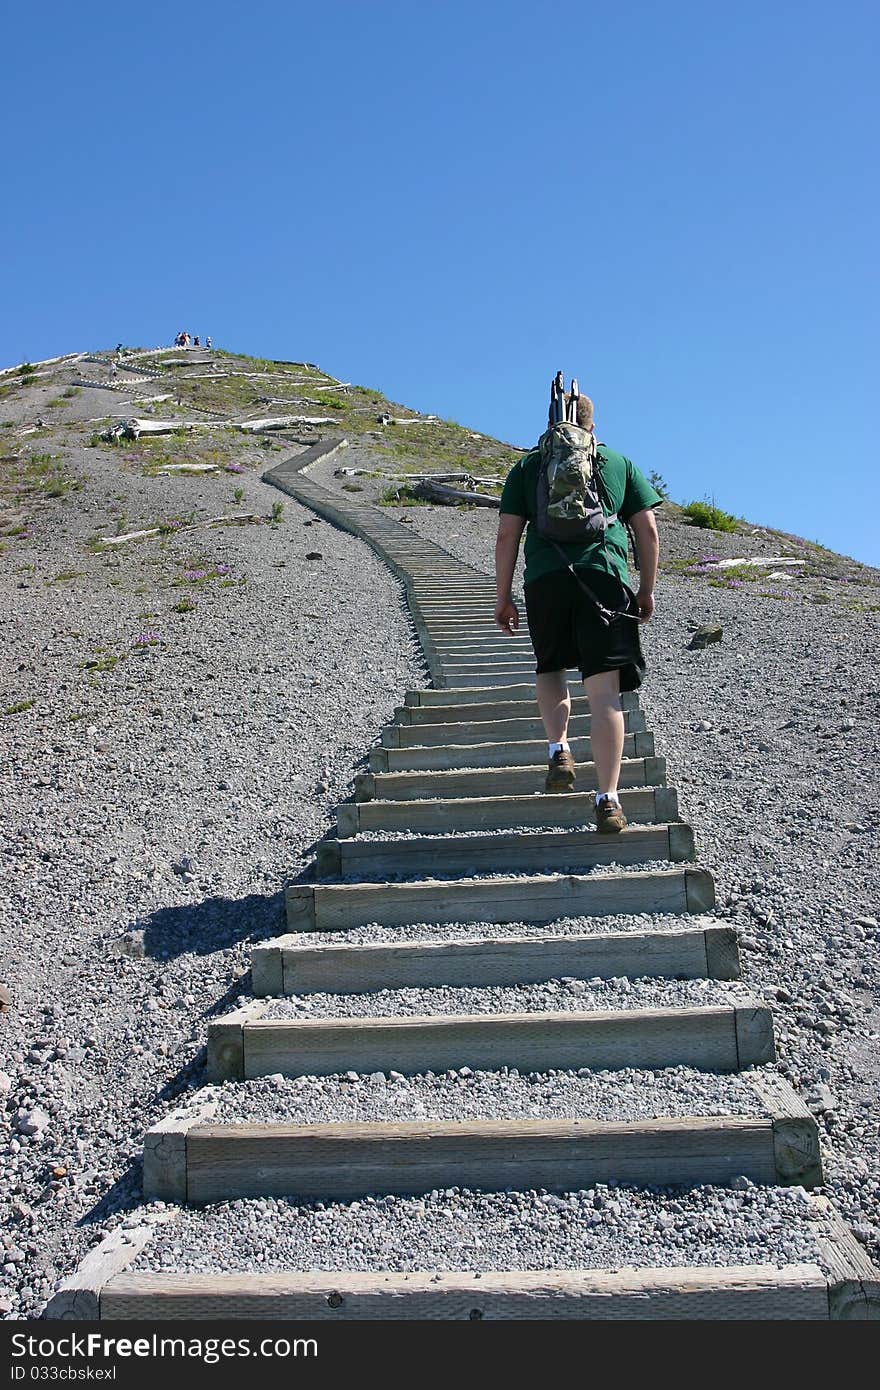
{"x":557,"y":747}
{"x":612,"y":796}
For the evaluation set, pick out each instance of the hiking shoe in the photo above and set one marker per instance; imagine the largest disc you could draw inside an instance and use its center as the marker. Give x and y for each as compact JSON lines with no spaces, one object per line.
{"x":609,"y":816}
{"x":560,"y":772}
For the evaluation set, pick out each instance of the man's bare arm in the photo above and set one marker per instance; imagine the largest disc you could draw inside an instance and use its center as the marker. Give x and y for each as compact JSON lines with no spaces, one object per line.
{"x":510,"y":529}
{"x":644,"y":524}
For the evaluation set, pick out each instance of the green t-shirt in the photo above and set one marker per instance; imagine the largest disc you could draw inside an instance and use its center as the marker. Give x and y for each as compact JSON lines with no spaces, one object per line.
{"x":628,"y":492}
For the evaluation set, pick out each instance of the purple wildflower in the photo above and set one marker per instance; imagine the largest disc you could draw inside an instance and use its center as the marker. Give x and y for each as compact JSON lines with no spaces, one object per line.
{"x":734,"y":584}
{"x":194,"y":575}
{"x":146,"y":639}
{"x":234,"y":468}
{"x":221,"y":569}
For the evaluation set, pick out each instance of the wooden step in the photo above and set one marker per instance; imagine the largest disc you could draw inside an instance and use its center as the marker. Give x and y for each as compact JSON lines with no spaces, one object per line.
{"x":452,"y":638}
{"x":520,"y":753}
{"x":479,"y":680}
{"x":705,"y":950}
{"x":476,"y":634}
{"x":538,"y":898}
{"x":456,"y":606}
{"x":457,"y":652}
{"x":490,"y":692}
{"x":481,"y":711}
{"x":745,"y":1292}
{"x":641,"y":805}
{"x":342,"y":1162}
{"x":481,"y":783}
{"x":723,"y":1038}
{"x":492,"y":665}
{"x":494,"y":730}
{"x":530,"y":851}
{"x":846,"y":1287}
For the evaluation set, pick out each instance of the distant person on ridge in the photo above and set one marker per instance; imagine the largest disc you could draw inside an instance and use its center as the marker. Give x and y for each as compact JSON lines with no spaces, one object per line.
{"x":577,"y":498}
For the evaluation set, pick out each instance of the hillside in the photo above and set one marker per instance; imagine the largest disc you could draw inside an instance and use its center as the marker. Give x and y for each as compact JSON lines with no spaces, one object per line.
{"x":180,"y":711}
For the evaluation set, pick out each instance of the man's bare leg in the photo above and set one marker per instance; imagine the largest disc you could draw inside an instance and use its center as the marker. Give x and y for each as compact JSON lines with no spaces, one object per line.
{"x":554,"y":703}
{"x":606,"y":728}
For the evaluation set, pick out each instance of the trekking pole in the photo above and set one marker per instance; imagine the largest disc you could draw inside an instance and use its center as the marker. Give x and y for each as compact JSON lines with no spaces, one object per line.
{"x":558,"y":398}
{"x":573,"y":400}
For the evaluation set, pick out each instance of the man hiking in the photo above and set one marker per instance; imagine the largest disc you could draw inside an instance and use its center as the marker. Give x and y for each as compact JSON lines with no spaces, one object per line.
{"x":580,"y":608}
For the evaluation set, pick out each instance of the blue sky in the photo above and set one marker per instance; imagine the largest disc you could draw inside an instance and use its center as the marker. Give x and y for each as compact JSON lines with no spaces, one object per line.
{"x":676,"y":202}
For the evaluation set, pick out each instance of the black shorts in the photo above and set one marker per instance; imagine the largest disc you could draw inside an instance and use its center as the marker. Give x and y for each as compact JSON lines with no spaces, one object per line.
{"x":566,"y":630}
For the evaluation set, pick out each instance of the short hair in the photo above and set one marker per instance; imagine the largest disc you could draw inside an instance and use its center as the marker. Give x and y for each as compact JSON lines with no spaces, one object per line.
{"x":584,"y":412}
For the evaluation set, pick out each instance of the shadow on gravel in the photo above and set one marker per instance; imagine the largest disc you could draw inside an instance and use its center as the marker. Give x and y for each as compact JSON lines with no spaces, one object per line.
{"x":212,"y":925}
{"x":126,"y":1194}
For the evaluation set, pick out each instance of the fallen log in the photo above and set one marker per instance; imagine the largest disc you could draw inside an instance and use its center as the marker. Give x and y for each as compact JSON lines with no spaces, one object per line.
{"x":386,"y":419}
{"x":187,"y":468}
{"x":412,"y":477}
{"x":452,"y":496}
{"x":179,"y":530}
{"x":67,"y":357}
{"x":759,"y":562}
{"x":134,"y":428}
{"x":282,"y":422}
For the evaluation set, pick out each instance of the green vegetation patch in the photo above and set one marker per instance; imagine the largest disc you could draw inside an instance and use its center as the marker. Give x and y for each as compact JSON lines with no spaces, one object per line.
{"x":706,"y":515}
{"x":401,"y":496}
{"x":735,"y":575}
{"x":103,"y":660}
{"x":28,"y":478}
{"x":20,"y":707}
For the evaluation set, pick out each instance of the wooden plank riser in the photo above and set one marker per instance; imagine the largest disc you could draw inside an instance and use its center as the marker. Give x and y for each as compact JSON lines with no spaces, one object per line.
{"x":229,"y":1162}
{"x":488,"y":710}
{"x":475,"y":783}
{"x":705,"y":1039}
{"x":540,"y":899}
{"x":494,"y":731}
{"x":450,"y":643}
{"x":498,"y":680}
{"x":519,"y":754}
{"x":642,"y":806}
{"x":747,"y":1293}
{"x":489,"y":693}
{"x":534,"y":852}
{"x":688,"y":953}
{"x":487,"y":667}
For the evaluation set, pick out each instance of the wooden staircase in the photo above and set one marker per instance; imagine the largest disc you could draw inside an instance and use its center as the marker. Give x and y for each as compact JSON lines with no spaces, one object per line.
{"x":454,"y":790}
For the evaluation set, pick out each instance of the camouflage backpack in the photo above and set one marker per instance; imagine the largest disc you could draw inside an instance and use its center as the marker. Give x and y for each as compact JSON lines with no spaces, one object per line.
{"x":569,"y":479}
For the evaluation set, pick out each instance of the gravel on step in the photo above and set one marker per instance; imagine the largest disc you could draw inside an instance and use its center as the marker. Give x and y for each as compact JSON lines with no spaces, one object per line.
{"x":433,"y":838}
{"x":375,"y":933}
{"x":601,"y":1227}
{"x":565,"y":995}
{"x":629,"y":1094}
{"x":645,"y":866}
